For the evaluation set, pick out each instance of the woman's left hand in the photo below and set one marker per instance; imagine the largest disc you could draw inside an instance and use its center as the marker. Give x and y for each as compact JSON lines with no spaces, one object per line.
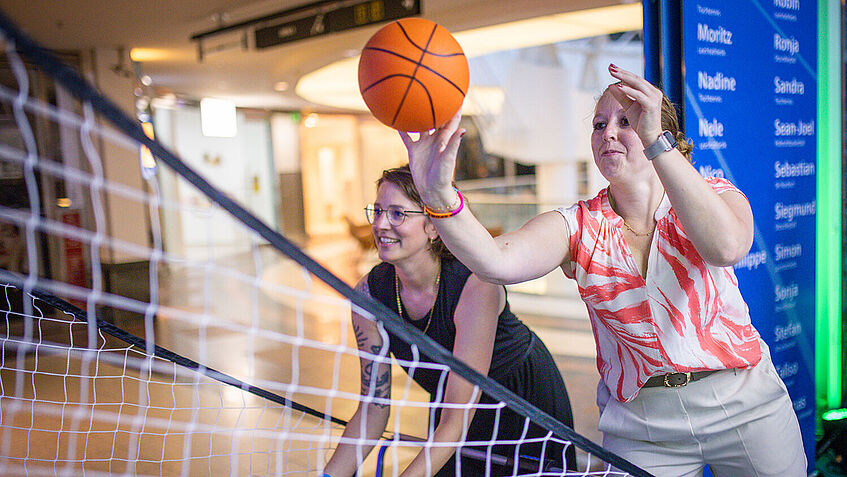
{"x":641,"y":101}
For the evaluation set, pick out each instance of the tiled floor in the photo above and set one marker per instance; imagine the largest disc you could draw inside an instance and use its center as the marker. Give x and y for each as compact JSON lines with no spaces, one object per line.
{"x":204,"y":314}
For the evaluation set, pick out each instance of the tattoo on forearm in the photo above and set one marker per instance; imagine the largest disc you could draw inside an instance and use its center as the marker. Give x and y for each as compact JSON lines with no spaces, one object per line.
{"x":382,"y":384}
{"x":361,"y":339}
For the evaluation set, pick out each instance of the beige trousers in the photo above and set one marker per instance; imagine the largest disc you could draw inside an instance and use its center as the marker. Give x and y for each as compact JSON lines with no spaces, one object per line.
{"x":739,"y":422}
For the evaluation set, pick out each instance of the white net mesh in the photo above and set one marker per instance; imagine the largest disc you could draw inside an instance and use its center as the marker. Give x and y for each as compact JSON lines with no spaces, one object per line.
{"x":218,"y":360}
{"x":113,"y":408}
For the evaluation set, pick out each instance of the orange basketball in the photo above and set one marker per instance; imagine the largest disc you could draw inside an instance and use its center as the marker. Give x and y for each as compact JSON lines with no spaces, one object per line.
{"x":413,"y":75}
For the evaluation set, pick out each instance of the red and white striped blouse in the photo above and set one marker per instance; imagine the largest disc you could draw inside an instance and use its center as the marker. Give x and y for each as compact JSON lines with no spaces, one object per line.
{"x":686,"y":316}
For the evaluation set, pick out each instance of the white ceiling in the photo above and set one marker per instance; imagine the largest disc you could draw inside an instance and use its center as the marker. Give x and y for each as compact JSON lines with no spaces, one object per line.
{"x":248,"y":77}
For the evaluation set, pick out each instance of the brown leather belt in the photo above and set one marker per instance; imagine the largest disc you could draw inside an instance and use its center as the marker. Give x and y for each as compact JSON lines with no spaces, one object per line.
{"x":675,"y":380}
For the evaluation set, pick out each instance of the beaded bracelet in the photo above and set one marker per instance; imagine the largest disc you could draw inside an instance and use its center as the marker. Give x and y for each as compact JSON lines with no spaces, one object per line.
{"x":446,"y":209}
{"x":447,"y":213}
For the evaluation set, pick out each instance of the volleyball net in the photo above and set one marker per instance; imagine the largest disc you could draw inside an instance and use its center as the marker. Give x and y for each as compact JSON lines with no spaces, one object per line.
{"x":212,"y":363}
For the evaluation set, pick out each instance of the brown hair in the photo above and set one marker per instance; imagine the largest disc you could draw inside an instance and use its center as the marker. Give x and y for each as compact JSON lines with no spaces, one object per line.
{"x":670,"y":122}
{"x":402,"y":178}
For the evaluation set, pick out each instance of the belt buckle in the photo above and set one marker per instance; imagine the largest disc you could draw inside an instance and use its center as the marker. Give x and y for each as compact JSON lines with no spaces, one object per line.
{"x":669,"y":384}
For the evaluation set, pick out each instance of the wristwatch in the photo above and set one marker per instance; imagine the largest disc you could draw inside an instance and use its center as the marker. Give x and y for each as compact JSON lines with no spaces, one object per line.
{"x":665,"y":143}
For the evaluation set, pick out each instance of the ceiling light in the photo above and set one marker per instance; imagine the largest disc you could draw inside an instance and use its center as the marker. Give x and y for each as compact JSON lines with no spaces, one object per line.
{"x":551,"y":29}
{"x":217,"y":117}
{"x":337,"y":83}
{"x":311,"y":120}
{"x":141,"y":55}
{"x":281,"y":86}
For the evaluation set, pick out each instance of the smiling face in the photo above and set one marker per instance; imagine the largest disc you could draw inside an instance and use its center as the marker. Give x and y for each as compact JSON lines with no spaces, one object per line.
{"x":407,"y":240}
{"x":616,"y":146}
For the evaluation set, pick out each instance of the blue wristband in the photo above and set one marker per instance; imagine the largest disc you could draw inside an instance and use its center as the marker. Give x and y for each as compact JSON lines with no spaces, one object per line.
{"x":325,"y":475}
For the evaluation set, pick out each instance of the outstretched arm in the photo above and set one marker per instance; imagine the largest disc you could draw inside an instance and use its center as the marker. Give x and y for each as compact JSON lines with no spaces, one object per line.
{"x":476,"y":326}
{"x":510,"y":258}
{"x":719,"y":225}
{"x":368,"y":423}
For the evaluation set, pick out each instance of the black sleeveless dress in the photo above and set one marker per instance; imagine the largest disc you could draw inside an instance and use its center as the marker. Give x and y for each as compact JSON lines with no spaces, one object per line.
{"x":520,"y":362}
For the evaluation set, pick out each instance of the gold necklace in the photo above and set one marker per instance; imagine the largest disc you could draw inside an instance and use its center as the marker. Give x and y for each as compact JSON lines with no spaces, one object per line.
{"x":612,"y":204}
{"x":647,"y":234}
{"x":400,"y":304}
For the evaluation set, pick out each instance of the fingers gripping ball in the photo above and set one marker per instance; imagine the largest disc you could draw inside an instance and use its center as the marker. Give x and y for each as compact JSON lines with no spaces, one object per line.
{"x":413,"y":75}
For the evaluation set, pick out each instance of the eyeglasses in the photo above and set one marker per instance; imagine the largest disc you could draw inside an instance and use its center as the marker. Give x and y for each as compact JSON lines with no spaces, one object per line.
{"x":396,"y":214}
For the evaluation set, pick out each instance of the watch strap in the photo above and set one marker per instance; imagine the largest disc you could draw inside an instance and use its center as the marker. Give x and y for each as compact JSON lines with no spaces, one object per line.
{"x":665,"y":142}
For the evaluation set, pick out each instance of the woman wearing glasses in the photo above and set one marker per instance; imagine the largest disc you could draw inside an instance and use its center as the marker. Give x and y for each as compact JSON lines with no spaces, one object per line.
{"x":432,"y":290}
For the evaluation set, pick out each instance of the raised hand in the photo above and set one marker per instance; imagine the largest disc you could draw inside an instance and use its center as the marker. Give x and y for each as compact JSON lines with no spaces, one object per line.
{"x":641,"y":101}
{"x":432,"y":159}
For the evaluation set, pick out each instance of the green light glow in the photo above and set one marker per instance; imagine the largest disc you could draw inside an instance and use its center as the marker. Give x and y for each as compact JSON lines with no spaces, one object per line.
{"x":828,"y":257}
{"x":835,"y":415}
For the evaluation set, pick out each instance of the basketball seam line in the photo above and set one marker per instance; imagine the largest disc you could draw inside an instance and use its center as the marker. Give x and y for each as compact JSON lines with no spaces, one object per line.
{"x":406,"y":34}
{"x":448,"y":80}
{"x":439,"y":55}
{"x":411,"y":80}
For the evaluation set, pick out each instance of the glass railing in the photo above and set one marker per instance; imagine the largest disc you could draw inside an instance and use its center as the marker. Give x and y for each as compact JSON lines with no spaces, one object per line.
{"x":503,"y":204}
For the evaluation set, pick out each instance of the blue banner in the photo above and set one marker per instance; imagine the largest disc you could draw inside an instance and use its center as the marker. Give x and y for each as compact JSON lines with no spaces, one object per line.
{"x":750,"y":108}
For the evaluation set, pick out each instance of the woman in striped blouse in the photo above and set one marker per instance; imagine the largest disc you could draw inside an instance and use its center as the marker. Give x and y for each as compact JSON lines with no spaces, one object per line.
{"x":686,"y":380}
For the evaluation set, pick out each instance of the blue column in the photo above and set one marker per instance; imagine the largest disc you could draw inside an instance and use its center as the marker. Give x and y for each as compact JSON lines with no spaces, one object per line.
{"x":652,"y":42}
{"x":671,"y":45}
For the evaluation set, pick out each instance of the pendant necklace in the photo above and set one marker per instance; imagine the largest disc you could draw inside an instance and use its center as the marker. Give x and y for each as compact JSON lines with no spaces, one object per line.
{"x":400,"y":304}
